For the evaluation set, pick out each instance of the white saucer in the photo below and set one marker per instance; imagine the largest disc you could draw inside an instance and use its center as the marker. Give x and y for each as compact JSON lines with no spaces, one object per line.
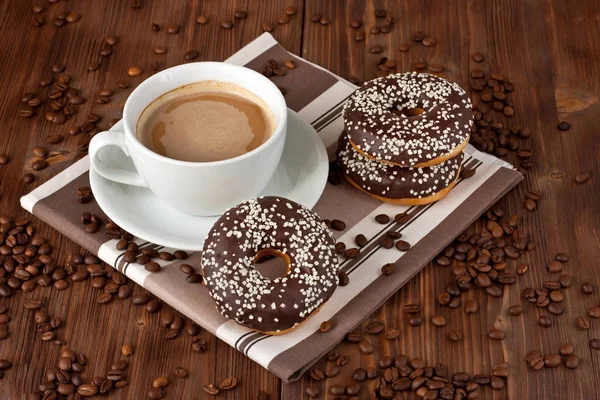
{"x":301,"y":177}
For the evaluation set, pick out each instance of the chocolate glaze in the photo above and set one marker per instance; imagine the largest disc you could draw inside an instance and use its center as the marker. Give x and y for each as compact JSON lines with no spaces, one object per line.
{"x":241,"y":292}
{"x":408,"y":140}
{"x":394,"y":182}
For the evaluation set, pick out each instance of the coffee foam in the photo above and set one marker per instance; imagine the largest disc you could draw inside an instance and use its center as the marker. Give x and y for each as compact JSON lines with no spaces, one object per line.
{"x":205,"y":121}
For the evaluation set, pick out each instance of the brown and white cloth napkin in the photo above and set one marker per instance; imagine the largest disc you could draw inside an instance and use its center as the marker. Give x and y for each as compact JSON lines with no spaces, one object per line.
{"x":318,"y":96}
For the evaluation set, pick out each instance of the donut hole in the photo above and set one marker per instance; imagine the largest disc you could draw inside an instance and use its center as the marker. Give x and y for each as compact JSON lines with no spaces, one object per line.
{"x":408,"y":112}
{"x":271,"y":264}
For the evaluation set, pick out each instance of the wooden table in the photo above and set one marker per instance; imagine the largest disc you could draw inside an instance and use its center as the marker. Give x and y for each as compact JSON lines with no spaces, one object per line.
{"x":549,"y":49}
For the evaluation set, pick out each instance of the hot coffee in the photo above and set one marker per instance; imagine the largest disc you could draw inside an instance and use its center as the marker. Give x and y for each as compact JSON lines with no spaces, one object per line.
{"x":205,"y":121}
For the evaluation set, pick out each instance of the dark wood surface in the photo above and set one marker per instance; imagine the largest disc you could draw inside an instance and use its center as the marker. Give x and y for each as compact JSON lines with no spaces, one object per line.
{"x":547,"y":48}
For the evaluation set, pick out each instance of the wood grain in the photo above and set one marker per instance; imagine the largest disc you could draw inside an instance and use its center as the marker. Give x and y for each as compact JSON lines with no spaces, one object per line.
{"x":547,"y":48}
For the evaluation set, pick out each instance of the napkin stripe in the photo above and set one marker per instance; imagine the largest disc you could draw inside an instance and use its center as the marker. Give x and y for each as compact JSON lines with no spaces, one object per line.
{"x":255,"y":342}
{"x":237,"y":342}
{"x":337,"y":110}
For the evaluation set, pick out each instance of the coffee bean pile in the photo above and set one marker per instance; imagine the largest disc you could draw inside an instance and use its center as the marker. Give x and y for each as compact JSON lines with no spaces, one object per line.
{"x":550,"y":296}
{"x":389,"y":240}
{"x":46,"y":325}
{"x":63,"y":18}
{"x":536,"y":360}
{"x":158,"y":391}
{"x":493,"y":137}
{"x":273,"y":69}
{"x":396,"y":374}
{"x":531,"y":200}
{"x":67,"y":379}
{"x":225,"y":385}
{"x":413,"y":311}
{"x":482,"y":257}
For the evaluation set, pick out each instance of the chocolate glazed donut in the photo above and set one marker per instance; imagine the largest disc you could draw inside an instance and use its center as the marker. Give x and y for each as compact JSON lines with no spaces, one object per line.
{"x":271,"y":226}
{"x":398,"y":185}
{"x":382,"y":124}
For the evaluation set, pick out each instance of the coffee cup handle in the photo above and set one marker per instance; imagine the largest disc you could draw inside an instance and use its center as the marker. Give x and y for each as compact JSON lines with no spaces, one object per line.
{"x":113,"y":138}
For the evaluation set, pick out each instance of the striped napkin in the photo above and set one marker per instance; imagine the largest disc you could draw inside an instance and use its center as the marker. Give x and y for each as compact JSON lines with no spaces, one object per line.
{"x":318,"y":96}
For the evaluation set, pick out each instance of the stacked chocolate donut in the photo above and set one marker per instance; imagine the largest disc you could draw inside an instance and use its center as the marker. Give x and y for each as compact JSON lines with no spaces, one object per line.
{"x":404,"y":137}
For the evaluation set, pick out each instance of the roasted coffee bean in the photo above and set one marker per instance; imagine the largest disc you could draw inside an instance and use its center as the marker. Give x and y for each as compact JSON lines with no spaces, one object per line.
{"x":87,"y":390}
{"x":173,"y":29}
{"x":496,"y":334}
{"x":438,"y":320}
{"x":428,"y":41}
{"x":392,"y":333}
{"x":402,"y":245}
{"x":134,"y":71}
{"x":455,"y":335}
{"x":386,"y":242}
{"x":180,"y":254}
{"x":140,"y":299}
{"x":324,"y":20}
{"x":572,"y":361}
{"x":343,"y":278}
{"x":582,"y":323}
{"x":388,"y":269}
{"x":418,"y":36}
{"x":291,"y":10}
{"x":375,"y":49}
{"x":153,"y":306}
{"x":332,"y":371}
{"x":595,"y":344}
{"x":594,"y":312}
{"x":582,"y":177}
{"x":412,"y":308}
{"x":351,"y":252}
{"x":361,"y":240}
{"x":317,"y":374}
{"x":516,"y":309}
{"x":552,"y":360}
{"x":160,"y":382}
{"x":338,"y":225}
{"x":554,"y":266}
{"x":159,"y":393}
{"x":325,"y":326}
{"x":191,"y":55}
{"x":563,"y":126}
{"x":186,"y":269}
{"x":194,"y":278}
{"x":365,"y":347}
{"x":544,"y":321}
{"x":266,"y":27}
{"x":337,"y":390}
{"x":311,"y":392}
{"x":354,"y":337}
{"x":477,"y":57}
{"x":375,"y":327}
{"x":382,"y":219}
{"x":566,"y":349}
{"x":160,"y":50}
{"x":587,"y":288}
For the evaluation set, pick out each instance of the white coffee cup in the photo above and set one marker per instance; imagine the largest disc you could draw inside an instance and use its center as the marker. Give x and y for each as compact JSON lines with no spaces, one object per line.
{"x":198,"y":188}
